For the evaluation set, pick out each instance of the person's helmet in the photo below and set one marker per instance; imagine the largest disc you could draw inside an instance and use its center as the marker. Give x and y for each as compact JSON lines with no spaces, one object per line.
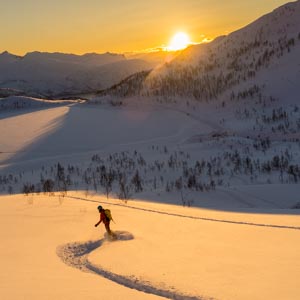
{"x":99,"y":207}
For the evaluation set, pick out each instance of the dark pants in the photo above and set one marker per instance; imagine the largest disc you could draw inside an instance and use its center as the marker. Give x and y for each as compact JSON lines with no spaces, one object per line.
{"x":108,"y":228}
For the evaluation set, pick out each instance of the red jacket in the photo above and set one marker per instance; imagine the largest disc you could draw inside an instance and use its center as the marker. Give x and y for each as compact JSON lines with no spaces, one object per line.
{"x":103,"y":218}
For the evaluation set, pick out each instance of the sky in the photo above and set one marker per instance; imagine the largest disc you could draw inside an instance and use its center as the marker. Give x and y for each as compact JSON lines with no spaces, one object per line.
{"x":84,"y":26}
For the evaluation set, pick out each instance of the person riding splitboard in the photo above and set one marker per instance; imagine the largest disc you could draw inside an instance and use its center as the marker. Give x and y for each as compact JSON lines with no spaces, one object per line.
{"x":105,"y":217}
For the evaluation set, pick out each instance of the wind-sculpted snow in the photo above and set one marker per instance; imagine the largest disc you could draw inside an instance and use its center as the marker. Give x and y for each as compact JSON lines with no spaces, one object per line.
{"x":76,"y":255}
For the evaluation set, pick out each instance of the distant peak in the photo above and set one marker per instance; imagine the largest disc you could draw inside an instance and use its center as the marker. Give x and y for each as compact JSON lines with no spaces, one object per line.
{"x":99,"y":54}
{"x":7,"y":54}
{"x":113,"y":54}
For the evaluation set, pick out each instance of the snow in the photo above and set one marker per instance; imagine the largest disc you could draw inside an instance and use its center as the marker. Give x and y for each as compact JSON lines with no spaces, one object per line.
{"x":264,"y":53}
{"x":212,"y":206}
{"x":240,"y":242}
{"x":28,"y":253}
{"x":162,"y":254}
{"x":78,"y":129}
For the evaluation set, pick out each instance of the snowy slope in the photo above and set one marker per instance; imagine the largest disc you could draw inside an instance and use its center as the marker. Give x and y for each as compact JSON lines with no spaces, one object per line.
{"x":177,"y":154}
{"x":244,"y":246}
{"x":245,"y":133}
{"x":164,"y":252}
{"x":204,"y":194}
{"x":262,"y":51}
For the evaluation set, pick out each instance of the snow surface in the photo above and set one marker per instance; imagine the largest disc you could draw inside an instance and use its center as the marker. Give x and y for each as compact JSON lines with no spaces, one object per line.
{"x":212,"y":206}
{"x":265,"y":53}
{"x":242,"y":242}
{"x":50,"y":249}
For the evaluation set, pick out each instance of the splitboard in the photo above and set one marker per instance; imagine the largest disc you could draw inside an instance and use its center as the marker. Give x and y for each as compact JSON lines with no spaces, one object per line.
{"x":119,"y":235}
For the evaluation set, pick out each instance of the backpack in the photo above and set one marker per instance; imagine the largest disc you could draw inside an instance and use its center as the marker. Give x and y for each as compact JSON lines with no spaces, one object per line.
{"x":108,"y":214}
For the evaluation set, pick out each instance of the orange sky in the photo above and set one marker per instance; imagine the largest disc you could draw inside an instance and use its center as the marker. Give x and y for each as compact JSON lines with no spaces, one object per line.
{"x":81,"y":26}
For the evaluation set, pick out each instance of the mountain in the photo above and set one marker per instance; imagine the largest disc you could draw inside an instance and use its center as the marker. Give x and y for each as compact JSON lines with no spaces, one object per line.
{"x":91,"y":59}
{"x":264,"y":53}
{"x":157,"y":57}
{"x":6,"y":57}
{"x":56,"y":74}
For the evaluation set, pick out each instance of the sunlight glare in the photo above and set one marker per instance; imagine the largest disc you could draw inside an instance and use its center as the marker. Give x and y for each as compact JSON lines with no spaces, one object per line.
{"x":179,"y":41}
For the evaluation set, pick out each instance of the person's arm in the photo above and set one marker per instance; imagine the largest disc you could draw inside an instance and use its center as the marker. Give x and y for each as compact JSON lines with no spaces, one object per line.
{"x":97,"y":223}
{"x":101,"y":219}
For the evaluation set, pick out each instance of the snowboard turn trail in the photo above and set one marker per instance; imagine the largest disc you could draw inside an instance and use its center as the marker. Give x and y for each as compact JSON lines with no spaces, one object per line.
{"x":76,"y":255}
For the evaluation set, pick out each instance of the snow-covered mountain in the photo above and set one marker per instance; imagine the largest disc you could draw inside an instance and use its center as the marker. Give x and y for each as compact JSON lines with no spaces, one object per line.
{"x":52,"y":74}
{"x":265,"y":53}
{"x":157,"y":57}
{"x":203,"y":188}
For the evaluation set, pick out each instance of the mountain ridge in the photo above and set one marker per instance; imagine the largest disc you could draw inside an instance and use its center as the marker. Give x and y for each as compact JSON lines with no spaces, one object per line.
{"x":53,"y":74}
{"x":207,"y":71}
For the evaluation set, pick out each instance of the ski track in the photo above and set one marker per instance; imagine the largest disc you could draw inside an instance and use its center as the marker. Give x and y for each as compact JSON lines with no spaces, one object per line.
{"x":264,"y":201}
{"x":76,"y":255}
{"x":192,"y":217}
{"x":234,"y":196}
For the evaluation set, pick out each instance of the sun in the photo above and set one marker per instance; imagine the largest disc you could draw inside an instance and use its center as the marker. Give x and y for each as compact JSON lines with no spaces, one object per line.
{"x":179,"y":41}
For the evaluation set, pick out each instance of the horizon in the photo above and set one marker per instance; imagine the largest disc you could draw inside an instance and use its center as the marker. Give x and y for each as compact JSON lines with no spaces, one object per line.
{"x":140,"y":27}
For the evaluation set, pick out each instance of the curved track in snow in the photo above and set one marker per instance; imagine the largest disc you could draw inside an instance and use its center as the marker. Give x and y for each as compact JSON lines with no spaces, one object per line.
{"x":76,"y":255}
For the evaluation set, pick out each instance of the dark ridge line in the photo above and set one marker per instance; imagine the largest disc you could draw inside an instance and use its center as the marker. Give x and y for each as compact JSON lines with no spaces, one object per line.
{"x":192,"y":217}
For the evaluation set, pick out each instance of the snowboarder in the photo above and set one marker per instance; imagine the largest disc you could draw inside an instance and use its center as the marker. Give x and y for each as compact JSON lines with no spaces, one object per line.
{"x":105,"y":219}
